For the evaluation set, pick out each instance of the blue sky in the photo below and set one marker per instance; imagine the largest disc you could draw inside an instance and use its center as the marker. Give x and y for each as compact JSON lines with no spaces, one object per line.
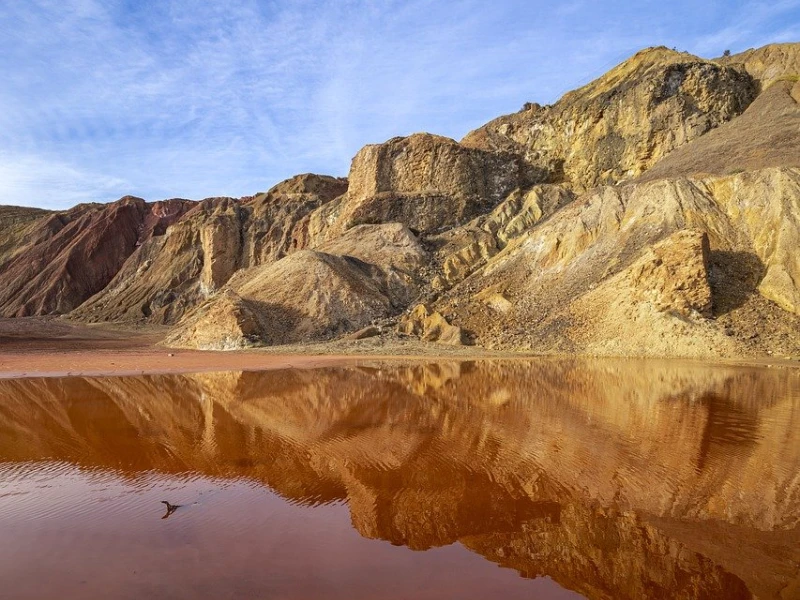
{"x":101,"y":98}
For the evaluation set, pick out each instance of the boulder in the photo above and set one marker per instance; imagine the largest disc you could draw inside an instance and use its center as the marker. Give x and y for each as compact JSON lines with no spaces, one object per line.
{"x":657,"y":306}
{"x":430,"y":327}
{"x":225,"y":323}
{"x":364,"y":333}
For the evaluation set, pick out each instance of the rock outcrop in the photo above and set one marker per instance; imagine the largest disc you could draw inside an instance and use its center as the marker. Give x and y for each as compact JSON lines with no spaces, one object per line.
{"x":228,"y":323}
{"x":368,"y":274}
{"x":621,"y":124}
{"x":768,"y":64}
{"x":171,"y":273}
{"x":273,"y":216}
{"x":18,"y":224}
{"x":665,"y":293}
{"x":461,"y":250}
{"x":430,"y":327}
{"x":766,"y":135}
{"x":424,"y":181}
{"x":394,"y":249}
{"x":752,"y":222}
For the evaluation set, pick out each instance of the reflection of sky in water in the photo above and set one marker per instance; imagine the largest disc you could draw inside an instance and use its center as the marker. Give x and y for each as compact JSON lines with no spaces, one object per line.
{"x":628,"y":478}
{"x":95,"y":534}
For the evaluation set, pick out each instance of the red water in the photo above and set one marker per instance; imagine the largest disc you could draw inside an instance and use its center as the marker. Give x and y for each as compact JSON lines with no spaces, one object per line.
{"x":454,"y":480}
{"x":70,"y":533}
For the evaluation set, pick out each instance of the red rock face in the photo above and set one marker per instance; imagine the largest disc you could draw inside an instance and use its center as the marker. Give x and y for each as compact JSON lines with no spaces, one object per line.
{"x":161,"y":215}
{"x":74,"y":254}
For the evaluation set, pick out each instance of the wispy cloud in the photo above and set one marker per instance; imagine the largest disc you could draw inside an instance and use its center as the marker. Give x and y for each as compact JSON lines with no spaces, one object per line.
{"x":752,"y":23}
{"x":194,"y":98}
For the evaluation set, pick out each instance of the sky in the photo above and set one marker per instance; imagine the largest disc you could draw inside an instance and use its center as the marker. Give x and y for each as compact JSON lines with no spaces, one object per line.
{"x":192,"y":99}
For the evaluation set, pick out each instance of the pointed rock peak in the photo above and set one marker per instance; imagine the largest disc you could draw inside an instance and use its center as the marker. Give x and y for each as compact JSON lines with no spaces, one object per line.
{"x":638,"y":66}
{"x":128,"y":199}
{"x":325,"y":186}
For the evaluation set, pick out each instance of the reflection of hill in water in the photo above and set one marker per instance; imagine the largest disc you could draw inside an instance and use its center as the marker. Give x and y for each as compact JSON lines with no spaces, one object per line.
{"x":618,"y":481}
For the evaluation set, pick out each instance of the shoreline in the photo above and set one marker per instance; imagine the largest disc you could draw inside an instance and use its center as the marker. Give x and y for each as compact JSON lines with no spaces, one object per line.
{"x":19,"y":365}
{"x":163,"y":361}
{"x":46,"y":347}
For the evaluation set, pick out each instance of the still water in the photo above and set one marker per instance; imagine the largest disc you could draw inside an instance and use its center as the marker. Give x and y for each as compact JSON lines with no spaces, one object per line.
{"x":544,"y":479}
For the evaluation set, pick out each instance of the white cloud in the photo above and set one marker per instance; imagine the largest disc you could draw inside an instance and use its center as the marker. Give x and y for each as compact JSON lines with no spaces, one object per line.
{"x":32,"y":181}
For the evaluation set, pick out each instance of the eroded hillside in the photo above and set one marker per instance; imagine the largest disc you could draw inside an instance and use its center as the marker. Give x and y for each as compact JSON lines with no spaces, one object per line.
{"x":655,"y":211}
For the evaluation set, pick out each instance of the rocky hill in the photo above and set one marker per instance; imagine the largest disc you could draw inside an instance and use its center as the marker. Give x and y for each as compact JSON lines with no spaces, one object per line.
{"x":655,"y":211}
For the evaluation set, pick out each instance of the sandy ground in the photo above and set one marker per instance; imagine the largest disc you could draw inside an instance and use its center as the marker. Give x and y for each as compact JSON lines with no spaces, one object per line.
{"x":54,"y":347}
{"x":43,"y":346}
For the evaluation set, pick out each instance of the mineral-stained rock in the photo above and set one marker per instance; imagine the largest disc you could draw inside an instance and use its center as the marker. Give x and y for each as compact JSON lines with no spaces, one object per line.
{"x":430,"y":163}
{"x":576,"y":227}
{"x":461,"y":250}
{"x":220,"y":239}
{"x":423,"y":181}
{"x":17,"y":224}
{"x":272,"y":216}
{"x":673,"y":275}
{"x":752,"y":221}
{"x":657,"y":306}
{"x":430,"y":327}
{"x":172,"y":273}
{"x":73,"y":254}
{"x":391,"y":247}
{"x":766,"y":135}
{"x":621,"y":124}
{"x":388,"y":245}
{"x":769,"y":63}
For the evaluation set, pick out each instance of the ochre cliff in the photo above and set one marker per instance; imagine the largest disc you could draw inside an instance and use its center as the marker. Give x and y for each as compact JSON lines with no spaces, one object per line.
{"x":752,"y":221}
{"x":654,"y":211}
{"x":620,"y":125}
{"x":424,"y":181}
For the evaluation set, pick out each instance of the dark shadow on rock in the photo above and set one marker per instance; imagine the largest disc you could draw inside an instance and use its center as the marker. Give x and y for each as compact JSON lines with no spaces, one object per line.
{"x":280,"y":325}
{"x":733,"y":277}
{"x":277,"y":324}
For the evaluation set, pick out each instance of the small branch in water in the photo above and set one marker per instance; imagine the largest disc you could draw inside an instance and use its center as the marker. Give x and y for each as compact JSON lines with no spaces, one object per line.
{"x":171,"y":508}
